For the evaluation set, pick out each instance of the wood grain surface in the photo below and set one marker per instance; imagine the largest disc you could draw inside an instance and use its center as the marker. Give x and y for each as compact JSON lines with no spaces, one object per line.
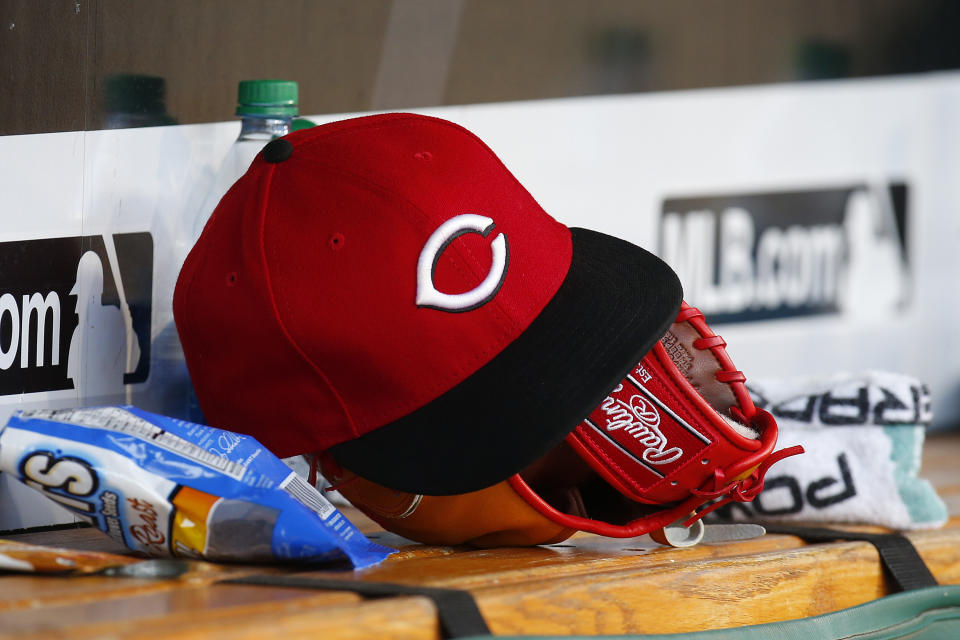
{"x":587,"y":585}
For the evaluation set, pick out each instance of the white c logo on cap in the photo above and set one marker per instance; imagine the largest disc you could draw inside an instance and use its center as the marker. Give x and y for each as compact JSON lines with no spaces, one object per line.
{"x":427,"y":294}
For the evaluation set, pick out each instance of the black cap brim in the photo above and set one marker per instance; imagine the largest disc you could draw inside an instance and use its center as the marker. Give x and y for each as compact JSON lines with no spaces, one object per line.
{"x":616,"y":301}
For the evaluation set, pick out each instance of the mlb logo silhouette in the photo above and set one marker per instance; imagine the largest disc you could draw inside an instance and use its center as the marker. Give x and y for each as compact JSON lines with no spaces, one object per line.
{"x":75,"y":314}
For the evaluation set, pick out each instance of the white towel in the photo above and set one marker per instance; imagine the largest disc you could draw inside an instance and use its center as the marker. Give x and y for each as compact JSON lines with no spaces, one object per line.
{"x":863,"y":434}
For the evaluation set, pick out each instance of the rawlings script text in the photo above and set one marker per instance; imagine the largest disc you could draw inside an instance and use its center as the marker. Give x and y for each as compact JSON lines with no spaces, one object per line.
{"x":640,"y":419}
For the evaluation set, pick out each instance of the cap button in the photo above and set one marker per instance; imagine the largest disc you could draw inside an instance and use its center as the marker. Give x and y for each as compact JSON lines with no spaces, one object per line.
{"x":277,"y":151}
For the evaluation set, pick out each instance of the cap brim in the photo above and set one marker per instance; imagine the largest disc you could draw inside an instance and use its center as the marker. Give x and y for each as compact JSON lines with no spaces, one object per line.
{"x":616,"y":301}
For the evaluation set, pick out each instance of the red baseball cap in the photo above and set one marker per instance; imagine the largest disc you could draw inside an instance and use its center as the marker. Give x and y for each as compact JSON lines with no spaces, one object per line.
{"x":384,"y":289}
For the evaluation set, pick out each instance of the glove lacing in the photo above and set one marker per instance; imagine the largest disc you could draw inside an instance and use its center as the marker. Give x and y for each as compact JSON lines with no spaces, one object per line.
{"x":745,"y":489}
{"x":727,"y":374}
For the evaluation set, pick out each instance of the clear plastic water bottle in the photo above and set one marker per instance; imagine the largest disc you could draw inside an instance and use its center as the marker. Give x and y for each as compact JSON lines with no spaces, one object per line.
{"x":266,"y":109}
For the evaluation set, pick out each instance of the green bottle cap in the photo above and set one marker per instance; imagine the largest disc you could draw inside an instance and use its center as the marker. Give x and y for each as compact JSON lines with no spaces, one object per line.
{"x":267,"y":98}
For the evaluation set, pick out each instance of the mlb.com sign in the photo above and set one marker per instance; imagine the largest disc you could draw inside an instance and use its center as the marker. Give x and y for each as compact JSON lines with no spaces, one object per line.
{"x":75,"y":313}
{"x":783,"y":254}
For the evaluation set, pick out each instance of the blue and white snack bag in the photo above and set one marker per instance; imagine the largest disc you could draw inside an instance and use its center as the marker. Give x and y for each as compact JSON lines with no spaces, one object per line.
{"x":166,"y":487}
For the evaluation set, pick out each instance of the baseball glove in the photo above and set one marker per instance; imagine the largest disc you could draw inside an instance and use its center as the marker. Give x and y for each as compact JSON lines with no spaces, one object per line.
{"x":680,"y":431}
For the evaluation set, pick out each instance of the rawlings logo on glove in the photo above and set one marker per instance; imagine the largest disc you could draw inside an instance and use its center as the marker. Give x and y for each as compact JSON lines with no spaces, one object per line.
{"x":679,"y":431}
{"x":638,"y":418}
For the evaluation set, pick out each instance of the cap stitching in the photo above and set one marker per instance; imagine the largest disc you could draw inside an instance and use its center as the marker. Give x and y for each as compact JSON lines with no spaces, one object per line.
{"x":461,"y":268}
{"x":443,"y":383}
{"x":465,"y":252}
{"x":276,"y":312}
{"x":379,"y":123}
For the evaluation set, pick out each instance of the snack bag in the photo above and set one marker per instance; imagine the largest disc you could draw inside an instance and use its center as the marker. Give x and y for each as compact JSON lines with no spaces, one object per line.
{"x":166,"y":487}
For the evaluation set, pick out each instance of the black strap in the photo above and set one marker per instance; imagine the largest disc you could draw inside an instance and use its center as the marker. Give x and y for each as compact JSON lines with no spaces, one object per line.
{"x":457,"y":610}
{"x":897,"y":553}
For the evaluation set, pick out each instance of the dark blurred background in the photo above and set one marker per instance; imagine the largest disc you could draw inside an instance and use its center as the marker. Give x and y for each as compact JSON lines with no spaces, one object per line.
{"x":75,"y":64}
